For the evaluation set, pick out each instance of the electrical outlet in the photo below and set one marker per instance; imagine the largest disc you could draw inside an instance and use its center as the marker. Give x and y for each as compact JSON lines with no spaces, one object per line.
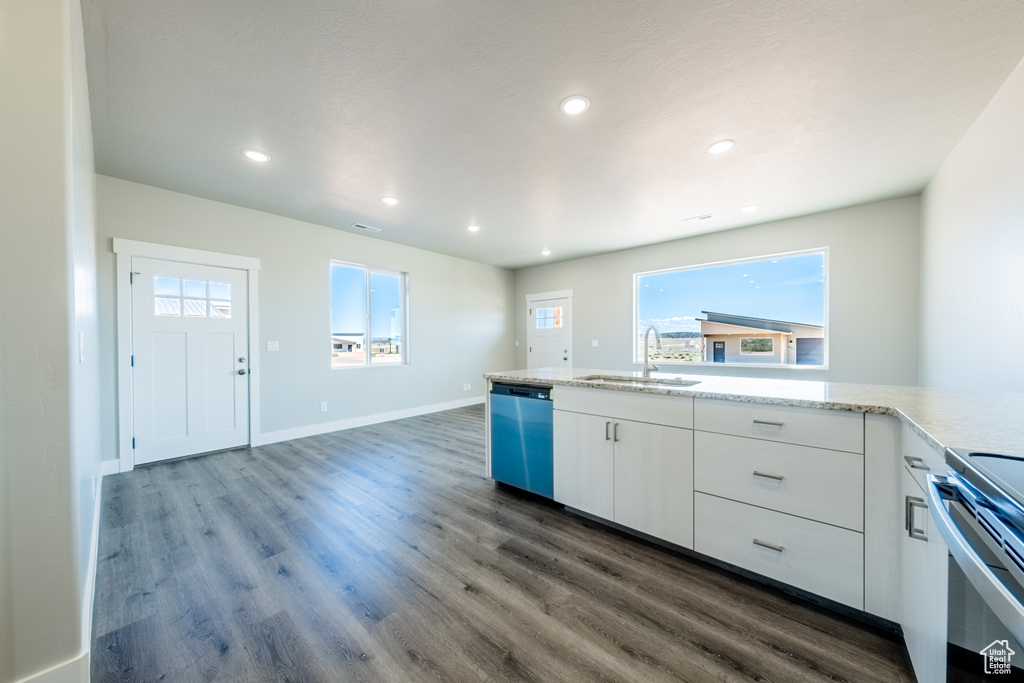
{"x":517,"y":342}
{"x":466,"y":387}
{"x":273,"y":346}
{"x":593,"y":342}
{"x":323,"y":406}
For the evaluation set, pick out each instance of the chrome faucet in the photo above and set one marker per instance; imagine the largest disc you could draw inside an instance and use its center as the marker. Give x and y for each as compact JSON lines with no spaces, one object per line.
{"x":648,"y":365}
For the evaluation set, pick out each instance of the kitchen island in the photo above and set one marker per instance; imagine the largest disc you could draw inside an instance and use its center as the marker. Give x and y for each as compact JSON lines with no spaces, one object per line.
{"x":816,"y":487}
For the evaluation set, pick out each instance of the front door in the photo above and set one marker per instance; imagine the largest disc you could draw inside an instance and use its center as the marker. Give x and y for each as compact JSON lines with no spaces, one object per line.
{"x":190,"y":350}
{"x":549,"y":333}
{"x":719,"y":351}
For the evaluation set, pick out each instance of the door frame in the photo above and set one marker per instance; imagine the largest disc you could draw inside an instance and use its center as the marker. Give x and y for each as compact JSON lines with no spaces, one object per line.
{"x":124,"y":250}
{"x":542,"y":296}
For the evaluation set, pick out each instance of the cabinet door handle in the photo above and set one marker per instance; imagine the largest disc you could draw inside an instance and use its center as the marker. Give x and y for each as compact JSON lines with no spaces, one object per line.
{"x":913,"y":503}
{"x":916,"y":463}
{"x":768,"y":422}
{"x":615,"y":432}
{"x":607,"y":434}
{"x":765,"y":475}
{"x":771,"y":546}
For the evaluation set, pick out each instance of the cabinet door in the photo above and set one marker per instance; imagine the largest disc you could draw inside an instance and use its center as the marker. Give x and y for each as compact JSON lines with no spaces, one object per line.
{"x":924,"y":577}
{"x":583,"y":462}
{"x":654,"y":480}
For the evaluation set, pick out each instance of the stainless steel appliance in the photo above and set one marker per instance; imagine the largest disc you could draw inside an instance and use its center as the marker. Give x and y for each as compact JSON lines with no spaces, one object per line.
{"x":978,"y":510}
{"x":522,"y":446}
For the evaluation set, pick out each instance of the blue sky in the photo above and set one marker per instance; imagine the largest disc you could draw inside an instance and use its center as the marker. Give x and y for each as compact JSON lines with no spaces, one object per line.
{"x":789,"y":288}
{"x":348,"y":300}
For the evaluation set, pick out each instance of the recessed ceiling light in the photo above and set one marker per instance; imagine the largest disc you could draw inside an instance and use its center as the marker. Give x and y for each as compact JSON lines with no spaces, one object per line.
{"x":391,"y":201}
{"x":256,"y":155}
{"x":577,"y":104}
{"x":473,"y":228}
{"x":546,"y":252}
{"x":750,"y":209}
{"x":721,"y":147}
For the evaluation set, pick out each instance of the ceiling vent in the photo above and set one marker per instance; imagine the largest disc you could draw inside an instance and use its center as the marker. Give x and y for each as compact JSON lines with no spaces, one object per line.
{"x":365,"y":228}
{"x":702,"y":217}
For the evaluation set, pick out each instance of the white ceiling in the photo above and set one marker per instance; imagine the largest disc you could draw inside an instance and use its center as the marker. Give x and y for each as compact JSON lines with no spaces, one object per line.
{"x":452,"y":106}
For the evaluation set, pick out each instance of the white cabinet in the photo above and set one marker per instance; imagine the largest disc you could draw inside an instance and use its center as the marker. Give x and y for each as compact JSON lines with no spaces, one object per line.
{"x":924,"y":576}
{"x":636,"y":473}
{"x":583,"y":462}
{"x":653,"y":482}
{"x":819,"y":558}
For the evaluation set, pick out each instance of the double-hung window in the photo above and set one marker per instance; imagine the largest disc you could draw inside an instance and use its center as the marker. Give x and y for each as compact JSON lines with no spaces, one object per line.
{"x":368,"y":316}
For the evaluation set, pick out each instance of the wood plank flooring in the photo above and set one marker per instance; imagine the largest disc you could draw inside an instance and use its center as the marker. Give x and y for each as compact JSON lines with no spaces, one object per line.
{"x":384,"y":554}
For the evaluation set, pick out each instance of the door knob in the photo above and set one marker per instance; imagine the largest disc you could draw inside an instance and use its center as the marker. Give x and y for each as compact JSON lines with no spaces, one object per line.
{"x":242,"y":371}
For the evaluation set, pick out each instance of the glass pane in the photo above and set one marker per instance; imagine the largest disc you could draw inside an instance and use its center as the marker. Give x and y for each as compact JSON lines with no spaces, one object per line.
{"x":220,"y":309}
{"x":195,"y":308}
{"x":556,"y":312}
{"x":348,"y":315}
{"x":220,"y":290}
{"x":167,"y":286}
{"x":557,"y":322}
{"x":168,"y":306}
{"x":736,"y":305}
{"x":386,"y":317}
{"x":195,"y":289}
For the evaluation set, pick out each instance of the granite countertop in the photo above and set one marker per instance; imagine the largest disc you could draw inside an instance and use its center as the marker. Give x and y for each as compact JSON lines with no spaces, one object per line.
{"x":981,"y":421}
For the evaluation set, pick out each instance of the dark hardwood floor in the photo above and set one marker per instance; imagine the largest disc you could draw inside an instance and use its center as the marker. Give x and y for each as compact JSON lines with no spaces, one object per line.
{"x":384,"y":554}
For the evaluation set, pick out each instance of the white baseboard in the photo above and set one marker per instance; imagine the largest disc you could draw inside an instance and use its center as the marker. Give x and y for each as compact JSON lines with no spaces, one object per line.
{"x":74,"y":670}
{"x":111,"y":467}
{"x":351,"y":423}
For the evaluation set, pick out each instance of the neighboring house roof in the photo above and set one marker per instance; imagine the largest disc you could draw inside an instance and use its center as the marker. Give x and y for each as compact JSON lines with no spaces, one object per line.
{"x":758,"y":323}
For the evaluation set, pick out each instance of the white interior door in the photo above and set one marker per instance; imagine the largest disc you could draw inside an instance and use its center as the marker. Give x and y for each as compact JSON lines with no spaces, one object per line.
{"x":549,"y":333}
{"x":190,"y":352}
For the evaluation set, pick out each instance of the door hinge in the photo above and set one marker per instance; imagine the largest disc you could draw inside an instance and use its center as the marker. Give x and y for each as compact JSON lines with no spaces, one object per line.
{"x":131,"y":278}
{"x":133,"y":361}
{"x":133,"y":443}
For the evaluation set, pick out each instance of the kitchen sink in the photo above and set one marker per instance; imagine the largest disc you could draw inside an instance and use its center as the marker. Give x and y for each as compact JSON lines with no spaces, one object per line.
{"x":640,"y":381}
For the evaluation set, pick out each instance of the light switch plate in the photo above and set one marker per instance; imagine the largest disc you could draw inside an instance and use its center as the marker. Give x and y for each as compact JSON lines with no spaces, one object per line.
{"x":593,"y":342}
{"x":273,"y":346}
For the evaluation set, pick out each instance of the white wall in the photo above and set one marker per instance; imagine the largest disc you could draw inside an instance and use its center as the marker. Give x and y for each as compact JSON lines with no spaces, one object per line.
{"x":972,"y":254}
{"x":460,"y":311}
{"x":49,"y":451}
{"x":873,"y":291}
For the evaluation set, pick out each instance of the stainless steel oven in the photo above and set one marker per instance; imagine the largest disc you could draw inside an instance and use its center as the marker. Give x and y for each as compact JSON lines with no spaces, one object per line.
{"x":978,"y":510}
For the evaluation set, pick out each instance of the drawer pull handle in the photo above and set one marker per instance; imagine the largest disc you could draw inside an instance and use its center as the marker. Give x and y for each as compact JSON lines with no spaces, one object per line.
{"x":771,"y":546}
{"x":768,"y":422}
{"x":916,"y":463}
{"x":615,"y":432}
{"x":765,"y":475}
{"x":607,"y":426}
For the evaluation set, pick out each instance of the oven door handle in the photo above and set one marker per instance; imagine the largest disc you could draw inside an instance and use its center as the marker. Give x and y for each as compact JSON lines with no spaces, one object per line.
{"x":992,"y":590}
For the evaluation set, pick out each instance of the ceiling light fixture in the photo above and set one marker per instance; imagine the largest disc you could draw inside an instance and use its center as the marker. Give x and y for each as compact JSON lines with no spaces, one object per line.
{"x":576,"y":104}
{"x":546,"y":252}
{"x":256,"y":155}
{"x":750,"y":209}
{"x":390,"y":201}
{"x":721,"y":147}
{"x":473,"y":228}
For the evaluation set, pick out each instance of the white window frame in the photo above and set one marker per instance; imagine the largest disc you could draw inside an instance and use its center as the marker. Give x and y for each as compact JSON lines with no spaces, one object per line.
{"x":637,"y":347}
{"x":368,"y":339}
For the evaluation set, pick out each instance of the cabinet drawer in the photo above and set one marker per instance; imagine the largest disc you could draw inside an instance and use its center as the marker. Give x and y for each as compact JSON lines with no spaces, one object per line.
{"x":822,"y":485}
{"x":815,"y":557}
{"x":835,"y":429}
{"x":671,"y":411}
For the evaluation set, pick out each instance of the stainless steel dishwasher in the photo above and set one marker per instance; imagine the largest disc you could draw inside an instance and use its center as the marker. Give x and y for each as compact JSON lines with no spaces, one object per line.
{"x":521,"y":437}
